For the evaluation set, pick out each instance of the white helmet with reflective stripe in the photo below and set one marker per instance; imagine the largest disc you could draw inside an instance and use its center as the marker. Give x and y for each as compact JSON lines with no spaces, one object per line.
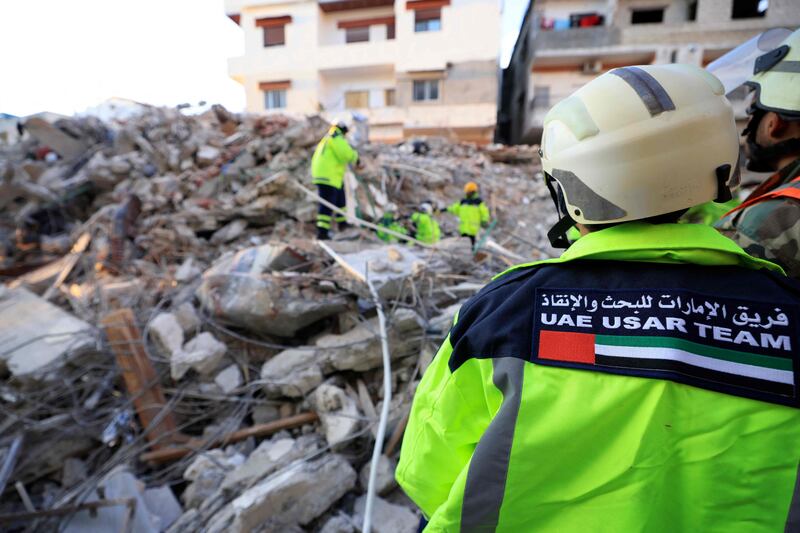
{"x":638,"y":142}
{"x":776,"y":78}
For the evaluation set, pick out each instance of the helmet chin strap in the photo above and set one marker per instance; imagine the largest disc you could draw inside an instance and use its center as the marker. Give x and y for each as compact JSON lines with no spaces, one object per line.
{"x":558,"y":233}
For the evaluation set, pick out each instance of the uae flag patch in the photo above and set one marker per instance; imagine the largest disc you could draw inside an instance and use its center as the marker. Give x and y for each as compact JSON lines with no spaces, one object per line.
{"x":737,"y":347}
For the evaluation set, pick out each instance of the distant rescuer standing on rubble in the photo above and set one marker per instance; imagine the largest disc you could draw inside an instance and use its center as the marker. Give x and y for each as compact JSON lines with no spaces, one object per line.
{"x":646,"y":379}
{"x":328,"y":164}
{"x":767,"y":224}
{"x":471,"y":211}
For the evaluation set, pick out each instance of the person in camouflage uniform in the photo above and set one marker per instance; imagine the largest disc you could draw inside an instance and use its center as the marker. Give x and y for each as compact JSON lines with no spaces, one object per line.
{"x":767,"y":223}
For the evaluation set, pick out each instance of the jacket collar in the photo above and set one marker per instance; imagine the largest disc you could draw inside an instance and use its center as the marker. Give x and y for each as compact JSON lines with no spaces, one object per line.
{"x":660,"y":243}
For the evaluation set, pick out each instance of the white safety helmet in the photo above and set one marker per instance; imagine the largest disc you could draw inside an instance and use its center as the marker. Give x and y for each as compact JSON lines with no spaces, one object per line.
{"x":426,"y":208}
{"x":638,"y":142}
{"x":390,"y":208}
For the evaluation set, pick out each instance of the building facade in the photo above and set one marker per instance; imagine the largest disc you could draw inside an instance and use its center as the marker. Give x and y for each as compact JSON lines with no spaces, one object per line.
{"x":572,"y":41}
{"x":412,"y":67}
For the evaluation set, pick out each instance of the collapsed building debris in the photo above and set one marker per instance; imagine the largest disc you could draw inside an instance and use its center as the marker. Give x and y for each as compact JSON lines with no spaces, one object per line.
{"x":216,"y":368}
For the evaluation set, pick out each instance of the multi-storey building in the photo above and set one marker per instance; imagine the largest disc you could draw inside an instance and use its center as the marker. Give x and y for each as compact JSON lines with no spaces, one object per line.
{"x":572,"y":41}
{"x":411,"y":67}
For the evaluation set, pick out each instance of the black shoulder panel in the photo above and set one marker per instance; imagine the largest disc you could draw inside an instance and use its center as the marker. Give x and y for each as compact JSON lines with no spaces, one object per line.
{"x":723,"y":328}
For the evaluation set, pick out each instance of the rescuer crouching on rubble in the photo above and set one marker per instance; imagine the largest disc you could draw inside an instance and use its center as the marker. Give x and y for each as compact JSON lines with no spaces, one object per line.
{"x":642,"y":381}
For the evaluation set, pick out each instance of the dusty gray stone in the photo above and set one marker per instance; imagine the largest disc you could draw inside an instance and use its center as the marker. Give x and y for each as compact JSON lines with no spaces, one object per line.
{"x":293,"y":373}
{"x":269,"y":457}
{"x":229,"y":232}
{"x":229,"y":379}
{"x":338,"y":413}
{"x":167,"y":333}
{"x":203,"y":354}
{"x":338,"y":524}
{"x":384,"y":479}
{"x":296,"y":495}
{"x":187,"y":318}
{"x":187,"y":271}
{"x":207,"y":155}
{"x":387,"y":517}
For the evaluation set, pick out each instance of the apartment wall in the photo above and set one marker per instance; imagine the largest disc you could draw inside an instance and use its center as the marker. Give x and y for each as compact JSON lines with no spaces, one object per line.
{"x":562,"y":9}
{"x":329,"y":32}
{"x":321,"y":66}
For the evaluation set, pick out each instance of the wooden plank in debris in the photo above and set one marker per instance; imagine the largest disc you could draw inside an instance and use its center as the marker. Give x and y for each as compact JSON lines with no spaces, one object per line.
{"x":139,"y":375}
{"x":174,"y":453}
{"x":72,"y":259}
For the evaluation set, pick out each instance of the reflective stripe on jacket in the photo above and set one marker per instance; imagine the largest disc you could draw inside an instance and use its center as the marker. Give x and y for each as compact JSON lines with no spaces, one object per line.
{"x":427,"y":228}
{"x":330,"y":159}
{"x":472,"y":212}
{"x":502,"y":439}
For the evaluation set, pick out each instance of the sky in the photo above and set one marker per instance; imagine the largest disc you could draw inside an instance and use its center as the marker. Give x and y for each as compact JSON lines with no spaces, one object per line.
{"x":67,"y":55}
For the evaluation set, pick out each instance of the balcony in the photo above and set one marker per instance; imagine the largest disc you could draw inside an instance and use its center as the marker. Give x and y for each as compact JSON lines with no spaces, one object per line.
{"x":334,"y":57}
{"x":592,"y":37}
{"x":329,"y":6}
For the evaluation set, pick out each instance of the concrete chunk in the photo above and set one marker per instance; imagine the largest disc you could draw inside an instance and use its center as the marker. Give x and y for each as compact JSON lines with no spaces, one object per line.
{"x":337,"y":411}
{"x":293,"y":373}
{"x":387,"y":517}
{"x":36,"y":337}
{"x":203,"y":354}
{"x":269,"y":457}
{"x":167,"y":333}
{"x":229,"y":379}
{"x":384,"y":478}
{"x":296,"y":495}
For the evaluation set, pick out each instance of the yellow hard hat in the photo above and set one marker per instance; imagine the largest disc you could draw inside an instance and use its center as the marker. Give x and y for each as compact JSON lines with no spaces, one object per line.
{"x":470,"y":187}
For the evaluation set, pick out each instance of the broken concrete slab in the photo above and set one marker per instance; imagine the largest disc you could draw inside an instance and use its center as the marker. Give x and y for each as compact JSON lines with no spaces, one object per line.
{"x":167,"y":333}
{"x":187,"y":271}
{"x":163,"y":505}
{"x":229,"y":379}
{"x":203,"y":354}
{"x":387,"y":517}
{"x":338,"y":413}
{"x":187,"y":317}
{"x":36,"y":337}
{"x":240,"y":290}
{"x":206,"y":472}
{"x":207,"y":155}
{"x":269,"y":457}
{"x":229,"y":232}
{"x":360,"y":348}
{"x":293,"y":373}
{"x":388,"y":267}
{"x":338,"y":524}
{"x":384,"y":477}
{"x":118,"y":484}
{"x":296,"y":495}
{"x":47,"y":134}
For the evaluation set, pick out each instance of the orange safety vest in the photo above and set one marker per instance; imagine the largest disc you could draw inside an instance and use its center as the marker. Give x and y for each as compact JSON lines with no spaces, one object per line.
{"x":793,"y":191}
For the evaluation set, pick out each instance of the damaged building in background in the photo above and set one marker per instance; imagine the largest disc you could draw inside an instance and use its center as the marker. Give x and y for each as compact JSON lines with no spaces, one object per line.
{"x":167,"y":318}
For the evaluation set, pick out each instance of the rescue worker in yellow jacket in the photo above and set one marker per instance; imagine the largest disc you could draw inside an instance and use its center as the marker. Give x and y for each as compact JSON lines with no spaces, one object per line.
{"x":426,"y":228}
{"x":328,"y":165}
{"x":646,"y":380}
{"x":471,"y":212}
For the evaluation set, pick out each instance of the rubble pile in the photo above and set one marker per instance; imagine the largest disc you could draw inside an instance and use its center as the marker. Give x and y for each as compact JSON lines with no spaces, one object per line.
{"x":196,"y":360}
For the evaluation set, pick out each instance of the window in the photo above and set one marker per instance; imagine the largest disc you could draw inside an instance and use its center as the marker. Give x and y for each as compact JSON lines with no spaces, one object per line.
{"x":273,"y":28}
{"x":356,"y":99}
{"x":428,"y":19}
{"x":390,"y":31}
{"x":747,"y":9}
{"x":275,"y":99}
{"x":274,"y":36}
{"x":691,"y":14}
{"x":647,"y":16}
{"x":356,"y":35}
{"x":425,"y":90}
{"x":388,"y":97}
